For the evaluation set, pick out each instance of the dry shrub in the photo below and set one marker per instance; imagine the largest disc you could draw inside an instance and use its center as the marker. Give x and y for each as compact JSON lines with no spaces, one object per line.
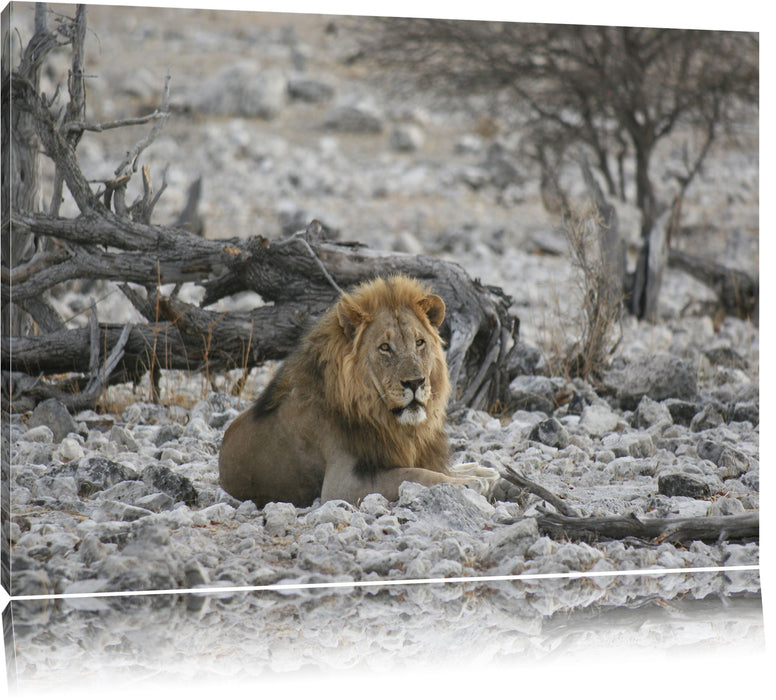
{"x":584,"y":346}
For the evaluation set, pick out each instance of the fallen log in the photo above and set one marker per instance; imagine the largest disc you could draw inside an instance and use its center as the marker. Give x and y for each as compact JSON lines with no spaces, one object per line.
{"x":738,"y":292}
{"x":297,"y":278}
{"x":566,"y":523}
{"x":744,"y":527}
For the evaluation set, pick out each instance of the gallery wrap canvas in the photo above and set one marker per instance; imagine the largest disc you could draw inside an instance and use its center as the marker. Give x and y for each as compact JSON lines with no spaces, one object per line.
{"x":192,"y":197}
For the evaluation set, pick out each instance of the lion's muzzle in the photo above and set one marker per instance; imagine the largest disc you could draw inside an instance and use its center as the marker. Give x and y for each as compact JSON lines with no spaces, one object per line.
{"x":412,"y":411}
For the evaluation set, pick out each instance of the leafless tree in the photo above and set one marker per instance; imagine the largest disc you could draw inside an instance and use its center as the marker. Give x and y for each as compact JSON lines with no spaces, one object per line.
{"x":616,"y":91}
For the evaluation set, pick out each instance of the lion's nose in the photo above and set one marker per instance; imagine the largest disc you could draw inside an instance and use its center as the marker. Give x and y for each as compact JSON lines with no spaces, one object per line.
{"x":413,"y":384}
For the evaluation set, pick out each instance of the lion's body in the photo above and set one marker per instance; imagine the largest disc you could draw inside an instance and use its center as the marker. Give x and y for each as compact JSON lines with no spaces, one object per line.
{"x":358,"y":408}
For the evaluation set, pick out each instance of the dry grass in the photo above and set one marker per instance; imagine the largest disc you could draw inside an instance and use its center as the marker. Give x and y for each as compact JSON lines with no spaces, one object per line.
{"x":583,"y":345}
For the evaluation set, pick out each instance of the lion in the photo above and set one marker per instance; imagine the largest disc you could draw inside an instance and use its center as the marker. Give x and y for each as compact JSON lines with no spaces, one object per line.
{"x":359,"y":407}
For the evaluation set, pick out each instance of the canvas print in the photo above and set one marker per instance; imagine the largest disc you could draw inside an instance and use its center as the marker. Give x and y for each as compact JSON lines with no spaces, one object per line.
{"x":309,"y":320}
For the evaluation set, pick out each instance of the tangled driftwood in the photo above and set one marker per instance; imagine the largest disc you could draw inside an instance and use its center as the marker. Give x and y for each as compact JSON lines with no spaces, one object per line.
{"x":297,"y":278}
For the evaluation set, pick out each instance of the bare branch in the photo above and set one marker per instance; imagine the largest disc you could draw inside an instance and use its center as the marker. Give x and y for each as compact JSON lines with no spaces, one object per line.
{"x":130,"y":161}
{"x":99,"y":127}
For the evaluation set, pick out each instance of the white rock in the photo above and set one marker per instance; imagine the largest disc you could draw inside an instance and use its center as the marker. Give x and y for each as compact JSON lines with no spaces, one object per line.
{"x":279,"y":518}
{"x":68,"y":450}
{"x":598,"y":420}
{"x":40,"y":433}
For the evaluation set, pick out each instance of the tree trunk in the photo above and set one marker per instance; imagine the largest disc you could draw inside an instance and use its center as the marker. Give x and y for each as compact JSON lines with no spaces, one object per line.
{"x":650,"y":266}
{"x":20,"y":149}
{"x":645,"y":194}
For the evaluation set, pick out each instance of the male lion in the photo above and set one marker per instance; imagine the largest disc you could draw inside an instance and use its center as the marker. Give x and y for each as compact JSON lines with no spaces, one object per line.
{"x":358,"y":408}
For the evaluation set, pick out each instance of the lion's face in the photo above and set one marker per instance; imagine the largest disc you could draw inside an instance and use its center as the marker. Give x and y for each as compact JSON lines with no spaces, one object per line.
{"x":398,"y":360}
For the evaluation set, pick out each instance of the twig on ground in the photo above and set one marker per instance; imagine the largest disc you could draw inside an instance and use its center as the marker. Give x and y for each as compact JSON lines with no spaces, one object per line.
{"x":518,"y":479}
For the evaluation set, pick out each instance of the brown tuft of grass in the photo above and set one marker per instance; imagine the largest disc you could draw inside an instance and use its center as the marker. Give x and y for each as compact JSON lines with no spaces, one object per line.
{"x":583,"y":347}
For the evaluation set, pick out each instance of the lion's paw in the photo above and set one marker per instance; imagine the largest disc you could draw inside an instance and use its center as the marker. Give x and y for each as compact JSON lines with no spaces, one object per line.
{"x":475,"y":476}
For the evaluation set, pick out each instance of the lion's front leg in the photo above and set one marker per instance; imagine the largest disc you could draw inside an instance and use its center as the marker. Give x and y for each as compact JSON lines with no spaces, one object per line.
{"x":474,"y":476}
{"x":342,"y":482}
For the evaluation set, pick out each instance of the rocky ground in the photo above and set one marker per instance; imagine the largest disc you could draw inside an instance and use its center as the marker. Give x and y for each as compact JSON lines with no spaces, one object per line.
{"x":281,"y":131}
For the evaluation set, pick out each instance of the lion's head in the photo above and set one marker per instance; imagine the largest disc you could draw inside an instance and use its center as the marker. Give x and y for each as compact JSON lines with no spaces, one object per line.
{"x":388,"y":366}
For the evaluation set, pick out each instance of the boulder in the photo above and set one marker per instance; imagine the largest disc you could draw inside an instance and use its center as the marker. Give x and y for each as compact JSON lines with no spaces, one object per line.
{"x":659,"y":376}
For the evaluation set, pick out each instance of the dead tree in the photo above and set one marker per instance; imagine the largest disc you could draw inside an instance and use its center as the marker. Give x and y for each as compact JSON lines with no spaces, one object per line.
{"x":297,"y":278}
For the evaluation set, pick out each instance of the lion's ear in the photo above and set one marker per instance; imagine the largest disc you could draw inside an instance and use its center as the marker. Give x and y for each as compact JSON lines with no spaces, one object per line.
{"x":350,"y":317}
{"x":434,"y":308}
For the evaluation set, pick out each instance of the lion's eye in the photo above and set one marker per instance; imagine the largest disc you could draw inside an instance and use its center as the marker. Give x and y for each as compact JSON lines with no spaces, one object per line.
{"x":420,"y":343}
{"x":385,"y":348}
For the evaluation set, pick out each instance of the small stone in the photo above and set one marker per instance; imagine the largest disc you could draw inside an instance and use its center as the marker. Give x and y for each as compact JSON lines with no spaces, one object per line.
{"x":122,"y":512}
{"x":375,"y":504}
{"x":175,"y":485}
{"x":379,"y":561}
{"x":243,"y":89}
{"x":31,"y":582}
{"x":512,"y":539}
{"x":69,"y":449}
{"x":220,"y":419}
{"x":97,"y":473}
{"x":309,"y":90}
{"x":726,"y":506}
{"x":746,"y":411}
{"x":40,"y":433}
{"x":144,"y":412}
{"x":198,"y":428}
{"x":156,"y":502}
{"x":247,"y":509}
{"x":357,"y":118}
{"x":130,"y":491}
{"x":218,"y":513}
{"x":551,"y":433}
{"x":406,"y":138}
{"x":168,"y":433}
{"x":708,"y":418}
{"x":92,"y":549}
{"x":122,"y":437}
{"x":733,"y":462}
{"x":417,"y":568}
{"x":533,"y":393}
{"x":279,"y":518}
{"x":469,"y":144}
{"x":683,"y":485}
{"x":54,"y":414}
{"x":194,"y":574}
{"x":598,"y":420}
{"x":637,"y":445}
{"x":446,"y":568}
{"x":710,"y":450}
{"x":650,"y":413}
{"x":542,"y":547}
{"x":726,"y":357}
{"x":604,"y":456}
{"x":335,"y":512}
{"x":173,"y":455}
{"x":443,"y":506}
{"x":682,"y":412}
